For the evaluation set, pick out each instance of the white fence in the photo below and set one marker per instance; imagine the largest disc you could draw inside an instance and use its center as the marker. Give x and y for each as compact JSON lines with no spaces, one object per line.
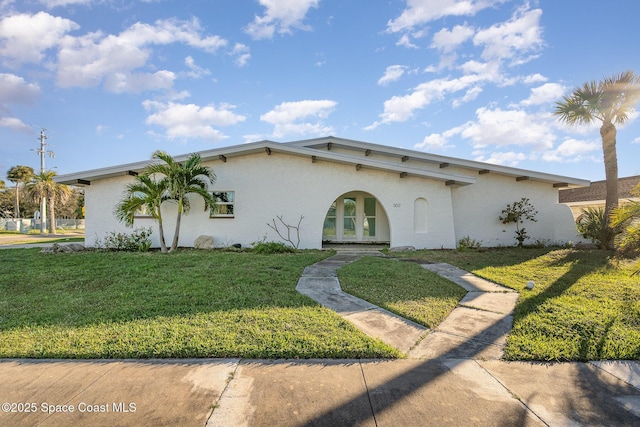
{"x":26,"y":225}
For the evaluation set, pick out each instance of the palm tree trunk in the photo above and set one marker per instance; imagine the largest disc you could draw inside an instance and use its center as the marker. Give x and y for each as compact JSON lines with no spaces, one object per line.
{"x":17,"y":212}
{"x":608,"y":134}
{"x":163,"y":244}
{"x":176,"y":234}
{"x":52,"y":216}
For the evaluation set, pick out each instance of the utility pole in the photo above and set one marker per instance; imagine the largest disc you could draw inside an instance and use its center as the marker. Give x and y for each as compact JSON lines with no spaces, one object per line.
{"x":43,"y":204}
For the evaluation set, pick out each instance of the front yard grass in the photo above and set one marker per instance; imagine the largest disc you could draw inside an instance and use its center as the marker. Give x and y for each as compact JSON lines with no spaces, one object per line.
{"x":404,"y":288}
{"x":584,"y":305}
{"x":150,"y":305}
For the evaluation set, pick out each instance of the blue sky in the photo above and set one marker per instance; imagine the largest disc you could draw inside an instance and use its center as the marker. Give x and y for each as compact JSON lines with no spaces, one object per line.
{"x":112,"y":81}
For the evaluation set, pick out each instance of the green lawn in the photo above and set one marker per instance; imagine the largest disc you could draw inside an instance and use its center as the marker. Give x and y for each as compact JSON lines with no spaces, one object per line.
{"x":404,"y":288}
{"x":584,"y":306}
{"x":187,"y":304}
{"x":223,"y":304}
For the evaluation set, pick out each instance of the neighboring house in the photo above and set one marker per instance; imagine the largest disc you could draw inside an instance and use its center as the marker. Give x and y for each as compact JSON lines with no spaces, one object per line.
{"x":593,"y":196}
{"x":347,"y":192}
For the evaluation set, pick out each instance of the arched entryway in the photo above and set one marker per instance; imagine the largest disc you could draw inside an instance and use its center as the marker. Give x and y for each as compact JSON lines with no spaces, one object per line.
{"x":356,"y":217}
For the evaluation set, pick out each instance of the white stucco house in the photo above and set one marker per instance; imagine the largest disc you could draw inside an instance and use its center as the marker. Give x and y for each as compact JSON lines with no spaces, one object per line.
{"x":347,"y":192}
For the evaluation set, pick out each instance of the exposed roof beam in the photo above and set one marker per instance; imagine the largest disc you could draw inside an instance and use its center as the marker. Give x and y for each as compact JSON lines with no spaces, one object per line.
{"x":313,"y":159}
{"x":444,"y":165}
{"x":560,"y":184}
{"x":450,"y":182}
{"x":403,"y":174}
{"x":83,"y":182}
{"x":358,"y":166}
{"x":367,"y":152}
{"x":405,"y":158}
{"x":329,"y":145}
{"x":522,"y":178}
{"x":132,"y":173}
{"x":268,"y":150}
{"x":223,"y":158}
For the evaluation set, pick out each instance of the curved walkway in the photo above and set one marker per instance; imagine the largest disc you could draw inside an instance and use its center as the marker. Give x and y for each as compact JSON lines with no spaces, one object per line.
{"x":476,"y":328}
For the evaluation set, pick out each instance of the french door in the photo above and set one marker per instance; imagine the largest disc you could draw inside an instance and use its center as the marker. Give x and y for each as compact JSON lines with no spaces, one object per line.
{"x":351,"y":218}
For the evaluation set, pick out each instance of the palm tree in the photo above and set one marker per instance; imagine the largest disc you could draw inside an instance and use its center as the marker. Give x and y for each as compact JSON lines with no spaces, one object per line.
{"x":609,"y":101}
{"x":43,"y":186}
{"x":19,"y":175}
{"x":144,"y":194}
{"x":188,"y":177}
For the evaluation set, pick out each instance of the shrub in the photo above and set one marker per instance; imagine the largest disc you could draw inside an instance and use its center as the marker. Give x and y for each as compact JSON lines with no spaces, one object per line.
{"x":137,"y":241}
{"x":518,"y":212}
{"x":268,"y":248}
{"x":592,"y":225}
{"x":468,"y":243}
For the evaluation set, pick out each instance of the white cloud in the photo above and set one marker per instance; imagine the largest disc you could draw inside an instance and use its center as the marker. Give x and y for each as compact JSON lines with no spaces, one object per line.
{"x":24,"y":38}
{"x":280,"y":16}
{"x":113,"y":59}
{"x":50,"y":4}
{"x":509,"y":127}
{"x":401,"y":108}
{"x":469,"y":96}
{"x":241,"y":51}
{"x":435,"y":142}
{"x":548,"y":92}
{"x":535,"y":78}
{"x":185,"y":121}
{"x":286,"y":117}
{"x":195,"y":71}
{"x":448,"y":40}
{"x":509,"y":158}
{"x":15,"y":90}
{"x":14,"y":124}
{"x":420,"y":12}
{"x":511,"y":39}
{"x":573,"y":150}
{"x":391,"y":74}
{"x":636,"y":141}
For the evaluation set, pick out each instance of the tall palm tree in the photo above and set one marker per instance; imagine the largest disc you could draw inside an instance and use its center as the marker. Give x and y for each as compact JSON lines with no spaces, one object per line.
{"x":188,"y":177}
{"x":19,"y":175}
{"x":147,"y":194}
{"x":43,"y":186}
{"x":609,"y":102}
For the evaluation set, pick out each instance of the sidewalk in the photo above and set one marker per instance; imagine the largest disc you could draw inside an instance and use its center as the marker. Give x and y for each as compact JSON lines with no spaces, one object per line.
{"x":16,"y":241}
{"x":453,"y":376}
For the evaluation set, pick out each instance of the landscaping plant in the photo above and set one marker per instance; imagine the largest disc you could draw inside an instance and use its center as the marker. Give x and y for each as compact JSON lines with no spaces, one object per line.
{"x":519,"y":212}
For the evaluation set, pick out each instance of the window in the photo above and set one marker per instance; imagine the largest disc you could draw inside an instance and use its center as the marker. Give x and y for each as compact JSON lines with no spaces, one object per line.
{"x":143,"y":212}
{"x":224,"y":204}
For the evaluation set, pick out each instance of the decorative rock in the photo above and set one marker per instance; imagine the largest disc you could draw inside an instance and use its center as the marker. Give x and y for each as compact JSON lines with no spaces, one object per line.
{"x":237,"y":245}
{"x":531,"y":284}
{"x":402,"y":249}
{"x":203,"y":242}
{"x":58,"y":248}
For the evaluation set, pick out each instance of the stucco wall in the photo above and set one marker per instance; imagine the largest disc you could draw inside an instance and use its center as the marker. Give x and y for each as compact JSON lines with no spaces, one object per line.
{"x":477,"y":208}
{"x":280,"y":184}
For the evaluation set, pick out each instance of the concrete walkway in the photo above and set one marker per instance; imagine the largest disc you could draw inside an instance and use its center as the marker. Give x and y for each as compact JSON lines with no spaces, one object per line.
{"x":477,"y":328}
{"x":459,"y":383}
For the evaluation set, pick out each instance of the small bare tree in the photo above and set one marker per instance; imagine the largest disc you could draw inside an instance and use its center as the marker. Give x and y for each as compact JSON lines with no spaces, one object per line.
{"x":290,"y":229}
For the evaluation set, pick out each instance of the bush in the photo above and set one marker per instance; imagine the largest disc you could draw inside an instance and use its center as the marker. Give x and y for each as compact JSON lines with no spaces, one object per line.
{"x":137,"y":241}
{"x":518,"y":212}
{"x":592,"y":225}
{"x":268,"y":248}
{"x":468,"y":243}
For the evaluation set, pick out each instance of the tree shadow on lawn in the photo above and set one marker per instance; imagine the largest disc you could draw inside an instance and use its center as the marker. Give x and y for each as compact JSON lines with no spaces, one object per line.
{"x":590,"y":334}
